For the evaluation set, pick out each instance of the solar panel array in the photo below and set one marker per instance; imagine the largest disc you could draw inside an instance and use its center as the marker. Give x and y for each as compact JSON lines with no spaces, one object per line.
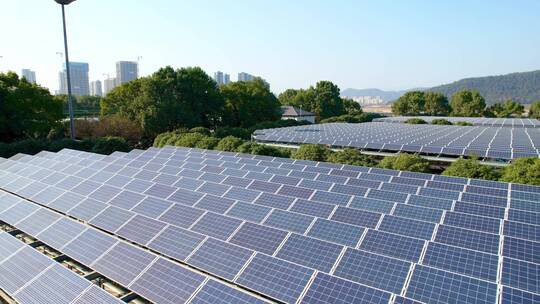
{"x":184,"y":225}
{"x":477,"y":121}
{"x":490,"y":142}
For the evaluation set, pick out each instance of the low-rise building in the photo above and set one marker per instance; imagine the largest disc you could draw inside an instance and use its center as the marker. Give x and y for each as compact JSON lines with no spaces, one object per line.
{"x":290,"y":112}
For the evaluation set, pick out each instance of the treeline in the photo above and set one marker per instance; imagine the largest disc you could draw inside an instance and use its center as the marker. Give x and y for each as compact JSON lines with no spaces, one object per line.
{"x":464,"y":103}
{"x":83,"y":106}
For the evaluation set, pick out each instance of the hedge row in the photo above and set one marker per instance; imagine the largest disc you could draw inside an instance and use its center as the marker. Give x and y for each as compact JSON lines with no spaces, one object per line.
{"x":104,"y":145}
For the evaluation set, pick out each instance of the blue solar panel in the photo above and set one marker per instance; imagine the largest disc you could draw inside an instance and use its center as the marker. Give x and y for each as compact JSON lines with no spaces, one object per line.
{"x":439,"y":193}
{"x":331,"y":197}
{"x":473,"y":222}
{"x":468,"y":239}
{"x":60,"y":233}
{"x":336,"y":232}
{"x":387,"y":195}
{"x":484,"y":200}
{"x":482,"y":210}
{"x":260,"y":238}
{"x":152,"y":207}
{"x":89,"y":246}
{"x":520,"y":230}
{"x":141,"y":229}
{"x":185,"y":197}
{"x":418,"y":213}
{"x":289,"y":221}
{"x":393,"y":245}
{"x":166,"y":282}
{"x":407,"y":227}
{"x":521,"y":249}
{"x":310,"y":252}
{"x":112,"y":218}
{"x":215,"y":204}
{"x":329,"y":289}
{"x":216,"y":293}
{"x":521,"y":274}
{"x":348,"y":189}
{"x":356,"y":217}
{"x":242,"y":194}
{"x":436,"y":286}
{"x":220,"y":258}
{"x":373,"y":270}
{"x":429,"y":202}
{"x":216,"y":225}
{"x":276,"y":278}
{"x":528,"y":196}
{"x":532,"y":218}
{"x":371,"y":204}
{"x":249,"y":212}
{"x":468,"y":262}
{"x":516,"y":296}
{"x":274,"y":201}
{"x":182,"y":216}
{"x":312,"y":208}
{"x":176,"y":242}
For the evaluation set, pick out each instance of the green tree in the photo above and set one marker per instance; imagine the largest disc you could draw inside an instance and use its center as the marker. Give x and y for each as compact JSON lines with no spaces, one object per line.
{"x":26,"y":109}
{"x":534,"y":111}
{"x":312,"y":152}
{"x":229,"y":143}
{"x":351,"y":107}
{"x":328,"y":102}
{"x":471,"y":168}
{"x":507,"y":109}
{"x":436,"y":104}
{"x":464,"y":123}
{"x":108,"y":145}
{"x":523,"y":171}
{"x":405,"y":162}
{"x":440,"y":121}
{"x":188,"y":140}
{"x":415,"y":121}
{"x":351,"y":157}
{"x":248,"y":103}
{"x":208,"y":143}
{"x":468,"y":103}
{"x":410,"y":103}
{"x":167,"y":100}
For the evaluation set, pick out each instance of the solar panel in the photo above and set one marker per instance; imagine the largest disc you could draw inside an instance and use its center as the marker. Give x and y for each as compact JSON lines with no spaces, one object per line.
{"x":216,"y":225}
{"x":468,"y":239}
{"x":249,"y":212}
{"x":276,"y":278}
{"x":214,"y":292}
{"x":220,"y":258}
{"x":89,"y":246}
{"x":336,"y":232}
{"x":260,"y":238}
{"x":181,"y":216}
{"x":310,"y":252}
{"x":393,"y":245}
{"x":141,"y":229}
{"x":289,"y":221}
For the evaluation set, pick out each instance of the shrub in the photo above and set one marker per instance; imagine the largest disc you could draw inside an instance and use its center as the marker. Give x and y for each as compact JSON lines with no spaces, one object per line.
{"x":463,"y":123}
{"x":471,"y":168}
{"x":115,"y":126}
{"x":201,"y":130}
{"x":57,"y":133}
{"x":405,"y":162}
{"x":270,"y":151}
{"x":415,"y":121}
{"x":229,"y":143}
{"x":246,"y":147}
{"x":110,"y":144}
{"x":440,"y":121}
{"x":160,"y":140}
{"x":359,"y":118}
{"x":351,"y":157}
{"x":207,"y":142}
{"x":188,"y":140}
{"x":312,"y":152}
{"x":66,"y":143}
{"x":523,"y":171}
{"x":236,"y":132}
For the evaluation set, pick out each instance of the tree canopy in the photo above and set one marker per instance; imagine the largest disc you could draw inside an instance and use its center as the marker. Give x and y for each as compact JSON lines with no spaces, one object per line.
{"x":419,"y":102}
{"x":471,"y":168}
{"x":405,"y":162}
{"x":508,"y":108}
{"x":534,"y":111}
{"x":523,"y":171}
{"x":468,"y":104}
{"x":167,"y":100}
{"x":26,"y":109}
{"x":248,"y":103}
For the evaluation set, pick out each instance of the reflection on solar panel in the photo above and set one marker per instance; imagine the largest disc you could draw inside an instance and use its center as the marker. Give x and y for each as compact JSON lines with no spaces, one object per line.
{"x":477,"y":121}
{"x":279,"y":229}
{"x":504,"y":142}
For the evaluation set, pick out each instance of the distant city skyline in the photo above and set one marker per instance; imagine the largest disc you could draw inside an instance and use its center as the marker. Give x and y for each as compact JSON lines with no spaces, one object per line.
{"x":356,"y":44}
{"x":29,"y":75}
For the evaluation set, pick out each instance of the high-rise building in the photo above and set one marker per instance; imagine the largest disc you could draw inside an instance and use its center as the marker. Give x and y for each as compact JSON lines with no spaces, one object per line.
{"x":79,"y":79}
{"x":29,"y":75}
{"x":245,"y":77}
{"x":108,"y":85}
{"x":222,"y":78}
{"x":126,"y":71}
{"x":95,"y":88}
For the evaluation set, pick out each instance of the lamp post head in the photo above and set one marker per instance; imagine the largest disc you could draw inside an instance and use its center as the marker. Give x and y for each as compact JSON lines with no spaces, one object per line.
{"x":64,"y":2}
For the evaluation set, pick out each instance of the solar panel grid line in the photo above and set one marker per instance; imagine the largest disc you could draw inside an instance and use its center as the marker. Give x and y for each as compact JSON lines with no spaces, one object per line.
{"x":434,"y":234}
{"x":194,"y":294}
{"x":190,"y":227}
{"x":407,"y":280}
{"x":206,"y":237}
{"x":33,"y":279}
{"x":379,"y":222}
{"x":103,"y":254}
{"x":423,"y":252}
{"x":7,"y":257}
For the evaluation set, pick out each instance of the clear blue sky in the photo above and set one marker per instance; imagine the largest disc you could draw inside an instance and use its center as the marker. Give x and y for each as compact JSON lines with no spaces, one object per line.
{"x":293,"y":44}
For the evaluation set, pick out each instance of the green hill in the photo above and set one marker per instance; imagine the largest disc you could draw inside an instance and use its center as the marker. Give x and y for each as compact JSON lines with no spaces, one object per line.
{"x":521,"y":87}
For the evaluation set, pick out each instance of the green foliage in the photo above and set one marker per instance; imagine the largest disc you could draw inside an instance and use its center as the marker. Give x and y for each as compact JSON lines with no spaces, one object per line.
{"x":167,"y":100}
{"x":229,"y":143}
{"x":189,"y":140}
{"x":351,"y":107}
{"x":200,"y":130}
{"x":110,"y":144}
{"x":405,"y":162}
{"x":248,"y":103}
{"x":246,"y":147}
{"x":82,"y":105}
{"x":351,"y":157}
{"x":270,"y":151}
{"x":471,"y":168}
{"x":364,"y":117}
{"x":436,"y":104}
{"x":534,"y":111}
{"x":508,"y":108}
{"x":312,"y":152}
{"x":468,"y":103}
{"x":523,"y":171}
{"x":324,"y":100}
{"x":521,"y":87}
{"x":415,"y":121}
{"x":207,"y":143}
{"x":464,"y":123}
{"x":112,"y":125}
{"x":26,"y":109}
{"x":411,"y":103}
{"x":236,"y":132}
{"x":440,"y":121}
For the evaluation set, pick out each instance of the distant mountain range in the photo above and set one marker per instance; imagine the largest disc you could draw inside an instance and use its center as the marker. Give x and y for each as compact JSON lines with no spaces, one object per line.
{"x":522,"y":87}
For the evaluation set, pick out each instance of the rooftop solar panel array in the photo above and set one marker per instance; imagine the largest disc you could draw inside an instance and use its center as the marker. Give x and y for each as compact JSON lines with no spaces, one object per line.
{"x":343,"y":234}
{"x":485,"y":142}
{"x":477,"y":121}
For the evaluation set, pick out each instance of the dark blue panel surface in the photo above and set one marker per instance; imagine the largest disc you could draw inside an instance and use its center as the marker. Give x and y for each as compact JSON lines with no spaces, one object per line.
{"x":310,"y":252}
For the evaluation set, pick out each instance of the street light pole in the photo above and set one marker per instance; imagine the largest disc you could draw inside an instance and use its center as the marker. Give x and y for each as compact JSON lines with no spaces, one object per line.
{"x":68,"y":76}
